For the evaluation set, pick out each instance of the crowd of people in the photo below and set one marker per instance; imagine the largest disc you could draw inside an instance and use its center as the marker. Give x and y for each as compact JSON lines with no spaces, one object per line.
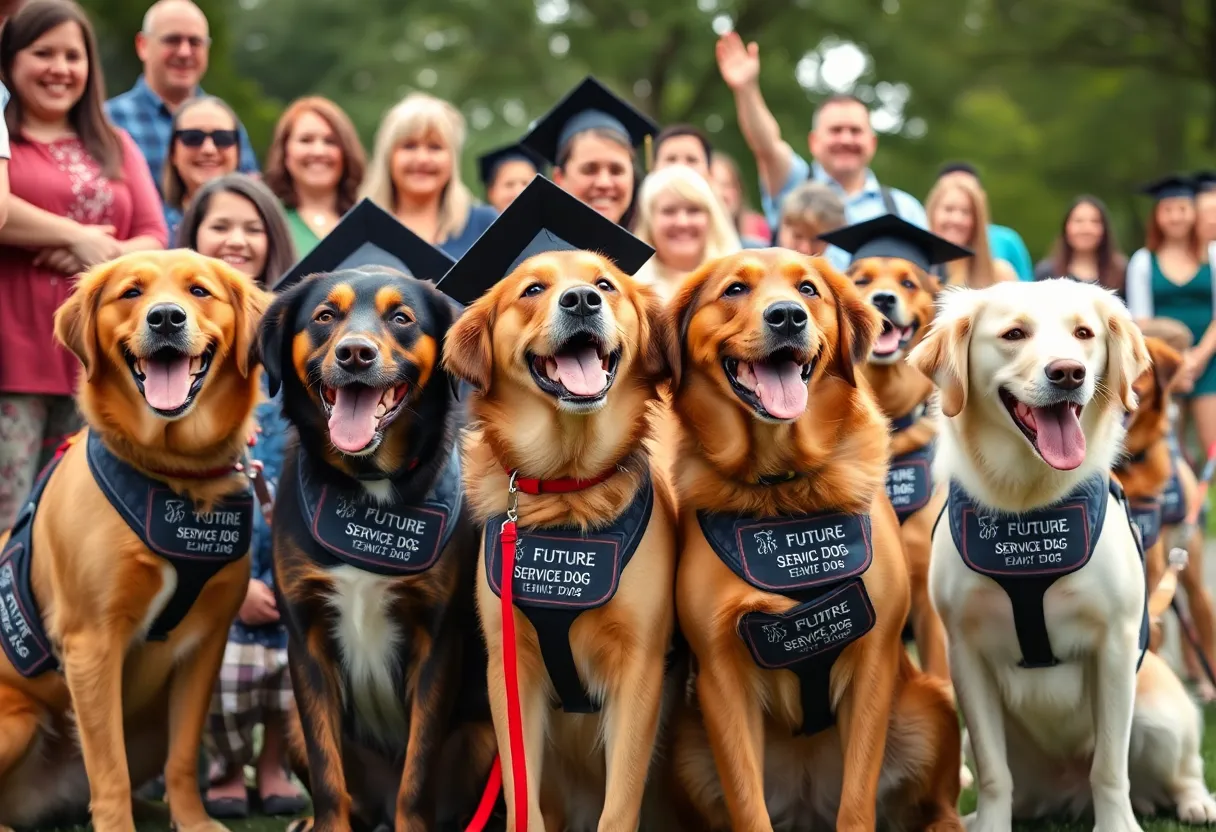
{"x":89,"y":174}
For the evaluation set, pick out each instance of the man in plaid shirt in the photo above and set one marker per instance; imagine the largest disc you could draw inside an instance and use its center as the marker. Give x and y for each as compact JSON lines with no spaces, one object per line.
{"x":173,"y":47}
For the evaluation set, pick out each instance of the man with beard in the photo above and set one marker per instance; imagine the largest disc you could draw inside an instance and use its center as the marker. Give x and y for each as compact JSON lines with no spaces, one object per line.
{"x":841,"y":141}
{"x":173,"y":46}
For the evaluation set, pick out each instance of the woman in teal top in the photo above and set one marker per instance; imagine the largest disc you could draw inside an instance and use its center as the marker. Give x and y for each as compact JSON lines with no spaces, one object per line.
{"x":315,"y":167}
{"x":1171,"y":278}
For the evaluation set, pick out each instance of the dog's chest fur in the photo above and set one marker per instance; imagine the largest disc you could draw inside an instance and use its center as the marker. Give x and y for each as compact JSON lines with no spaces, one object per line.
{"x":369,"y":643}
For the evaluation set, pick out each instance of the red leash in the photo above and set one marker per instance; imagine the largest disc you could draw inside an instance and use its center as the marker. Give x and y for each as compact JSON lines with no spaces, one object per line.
{"x":515,"y":720}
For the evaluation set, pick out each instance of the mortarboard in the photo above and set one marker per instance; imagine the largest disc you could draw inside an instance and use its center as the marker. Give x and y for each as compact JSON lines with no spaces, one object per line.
{"x":489,"y":163}
{"x":588,"y":106}
{"x":1170,"y":186}
{"x":367,"y":235}
{"x":542,"y":218}
{"x":892,"y":236}
{"x":1205,"y":181}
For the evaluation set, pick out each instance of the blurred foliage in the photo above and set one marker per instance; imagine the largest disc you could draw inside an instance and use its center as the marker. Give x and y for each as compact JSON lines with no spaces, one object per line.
{"x":1049,"y":98}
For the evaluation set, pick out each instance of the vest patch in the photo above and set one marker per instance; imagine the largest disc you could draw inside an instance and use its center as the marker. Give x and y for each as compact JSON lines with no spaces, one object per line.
{"x":197,"y":544}
{"x":1146,"y":514}
{"x":394,"y":539}
{"x":910,"y":482}
{"x":830,"y":622}
{"x":559,"y":573}
{"x":791,"y":554}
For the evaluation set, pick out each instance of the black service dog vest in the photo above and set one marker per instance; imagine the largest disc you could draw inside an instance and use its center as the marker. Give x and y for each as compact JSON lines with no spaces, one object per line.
{"x":198,"y":545}
{"x":1173,"y":499}
{"x":390,"y":539}
{"x":1027,"y":553}
{"x":1146,"y":514}
{"x":909,"y":477}
{"x":561,"y":572}
{"x":817,"y":560}
{"x":22,"y":634}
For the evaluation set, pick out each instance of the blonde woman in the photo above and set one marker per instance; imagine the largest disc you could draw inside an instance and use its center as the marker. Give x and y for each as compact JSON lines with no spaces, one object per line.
{"x":415,"y":174}
{"x":684,"y":221}
{"x":958,"y":211}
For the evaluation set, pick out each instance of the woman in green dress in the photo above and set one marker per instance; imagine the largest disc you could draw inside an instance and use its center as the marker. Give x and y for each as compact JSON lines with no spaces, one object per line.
{"x":315,"y":167}
{"x":1171,"y":278}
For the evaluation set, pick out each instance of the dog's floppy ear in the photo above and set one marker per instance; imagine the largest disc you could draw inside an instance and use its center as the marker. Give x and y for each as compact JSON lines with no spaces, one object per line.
{"x":468,"y":351}
{"x":249,"y":302}
{"x":942,"y":355}
{"x":76,"y":318}
{"x":1126,"y":353}
{"x":659,"y":347}
{"x":274,"y":334}
{"x":446,"y":312}
{"x":679,"y":312}
{"x":1166,"y":361}
{"x":857,"y":323}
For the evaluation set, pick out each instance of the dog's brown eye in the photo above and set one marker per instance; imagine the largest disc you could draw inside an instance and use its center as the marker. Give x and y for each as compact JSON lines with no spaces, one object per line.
{"x":909,"y":285}
{"x":323,"y":317}
{"x":1084,"y":333}
{"x":604,"y":286}
{"x":533,"y":290}
{"x":862,"y":281}
{"x":1014,"y":334}
{"x":131,"y":293}
{"x":402,"y":319}
{"x":735,"y":289}
{"x":199,"y":292}
{"x":808,"y":289}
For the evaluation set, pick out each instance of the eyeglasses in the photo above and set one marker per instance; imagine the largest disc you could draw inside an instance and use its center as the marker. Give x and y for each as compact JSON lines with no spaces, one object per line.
{"x":223,"y":139}
{"x":176,"y":41}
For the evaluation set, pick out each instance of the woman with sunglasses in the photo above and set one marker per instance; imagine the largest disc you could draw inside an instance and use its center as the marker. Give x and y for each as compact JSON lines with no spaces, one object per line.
{"x":204,"y":145}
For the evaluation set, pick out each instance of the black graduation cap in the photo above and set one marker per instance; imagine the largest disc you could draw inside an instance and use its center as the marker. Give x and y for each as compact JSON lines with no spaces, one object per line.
{"x":1205,"y":181}
{"x":588,"y":106}
{"x":542,"y":218}
{"x":367,"y":235}
{"x":892,"y":236}
{"x":1170,"y":186}
{"x":489,"y":163}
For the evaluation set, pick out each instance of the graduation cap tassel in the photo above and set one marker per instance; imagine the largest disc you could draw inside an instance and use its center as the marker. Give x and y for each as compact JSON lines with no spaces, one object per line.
{"x":648,"y":152}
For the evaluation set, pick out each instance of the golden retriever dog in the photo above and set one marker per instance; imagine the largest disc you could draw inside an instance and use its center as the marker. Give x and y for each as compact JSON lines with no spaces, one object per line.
{"x":121,"y":578}
{"x":566,"y":355}
{"x":791,"y":588}
{"x":1036,"y":571}
{"x":904,"y":295}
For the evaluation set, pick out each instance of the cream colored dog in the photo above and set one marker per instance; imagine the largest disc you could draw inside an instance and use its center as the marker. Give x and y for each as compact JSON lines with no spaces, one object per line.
{"x":1035,"y":379}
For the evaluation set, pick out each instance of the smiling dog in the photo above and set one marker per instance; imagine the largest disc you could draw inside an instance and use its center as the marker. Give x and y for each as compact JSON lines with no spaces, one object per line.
{"x":791,"y":589}
{"x":374,"y":550}
{"x":125,"y":570}
{"x":566,"y":354}
{"x":1036,"y":571}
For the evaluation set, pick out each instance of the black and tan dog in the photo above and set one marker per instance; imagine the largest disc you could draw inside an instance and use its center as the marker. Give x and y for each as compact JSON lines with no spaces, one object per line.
{"x":122,"y":576}
{"x":374,"y":552}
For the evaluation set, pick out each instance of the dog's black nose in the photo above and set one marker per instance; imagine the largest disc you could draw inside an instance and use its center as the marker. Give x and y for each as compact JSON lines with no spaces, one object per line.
{"x":786,"y":317}
{"x":884,"y":301}
{"x":583,"y":301}
{"x":166,"y":319}
{"x":1065,"y":373}
{"x":355,"y":354}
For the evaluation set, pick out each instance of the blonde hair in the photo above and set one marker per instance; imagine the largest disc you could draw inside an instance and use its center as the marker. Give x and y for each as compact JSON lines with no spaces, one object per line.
{"x":978,"y":271}
{"x":417,"y":115}
{"x":684,"y":182}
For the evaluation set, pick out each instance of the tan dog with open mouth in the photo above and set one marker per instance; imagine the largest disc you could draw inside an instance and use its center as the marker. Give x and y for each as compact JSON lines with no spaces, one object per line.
{"x":130,"y":561}
{"x":566,"y":354}
{"x":891,"y":262}
{"x":1036,"y":571}
{"x":792,"y":589}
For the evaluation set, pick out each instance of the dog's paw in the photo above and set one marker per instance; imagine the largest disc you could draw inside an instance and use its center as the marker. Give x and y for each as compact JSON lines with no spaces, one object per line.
{"x":1117,"y":821}
{"x":1198,"y":808}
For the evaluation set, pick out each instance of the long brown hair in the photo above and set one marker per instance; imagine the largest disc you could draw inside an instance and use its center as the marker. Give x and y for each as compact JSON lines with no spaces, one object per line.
{"x":87,"y":116}
{"x":171,"y":181}
{"x":979,"y":270}
{"x":1112,"y":262}
{"x":354,"y":159}
{"x":1154,"y":237}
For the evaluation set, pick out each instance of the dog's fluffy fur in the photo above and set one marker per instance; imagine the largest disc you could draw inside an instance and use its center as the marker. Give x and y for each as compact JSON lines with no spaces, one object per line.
{"x":894,"y":752}
{"x":1059,"y":739}
{"x":99,"y":588}
{"x":584,"y":771}
{"x":388,"y":670}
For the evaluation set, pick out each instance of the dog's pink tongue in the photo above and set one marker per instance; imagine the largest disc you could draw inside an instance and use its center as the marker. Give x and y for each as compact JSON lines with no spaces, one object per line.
{"x":780,"y":388}
{"x":167,"y":383}
{"x":352,"y":422}
{"x":887,"y":342}
{"x":582,"y":372}
{"x":1059,"y":439}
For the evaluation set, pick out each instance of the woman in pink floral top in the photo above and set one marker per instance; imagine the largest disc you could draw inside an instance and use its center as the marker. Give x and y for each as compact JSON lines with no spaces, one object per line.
{"x":81,"y":195}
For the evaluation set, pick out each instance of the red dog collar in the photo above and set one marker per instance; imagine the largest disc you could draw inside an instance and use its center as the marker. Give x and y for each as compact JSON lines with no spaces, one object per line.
{"x":561,"y":485}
